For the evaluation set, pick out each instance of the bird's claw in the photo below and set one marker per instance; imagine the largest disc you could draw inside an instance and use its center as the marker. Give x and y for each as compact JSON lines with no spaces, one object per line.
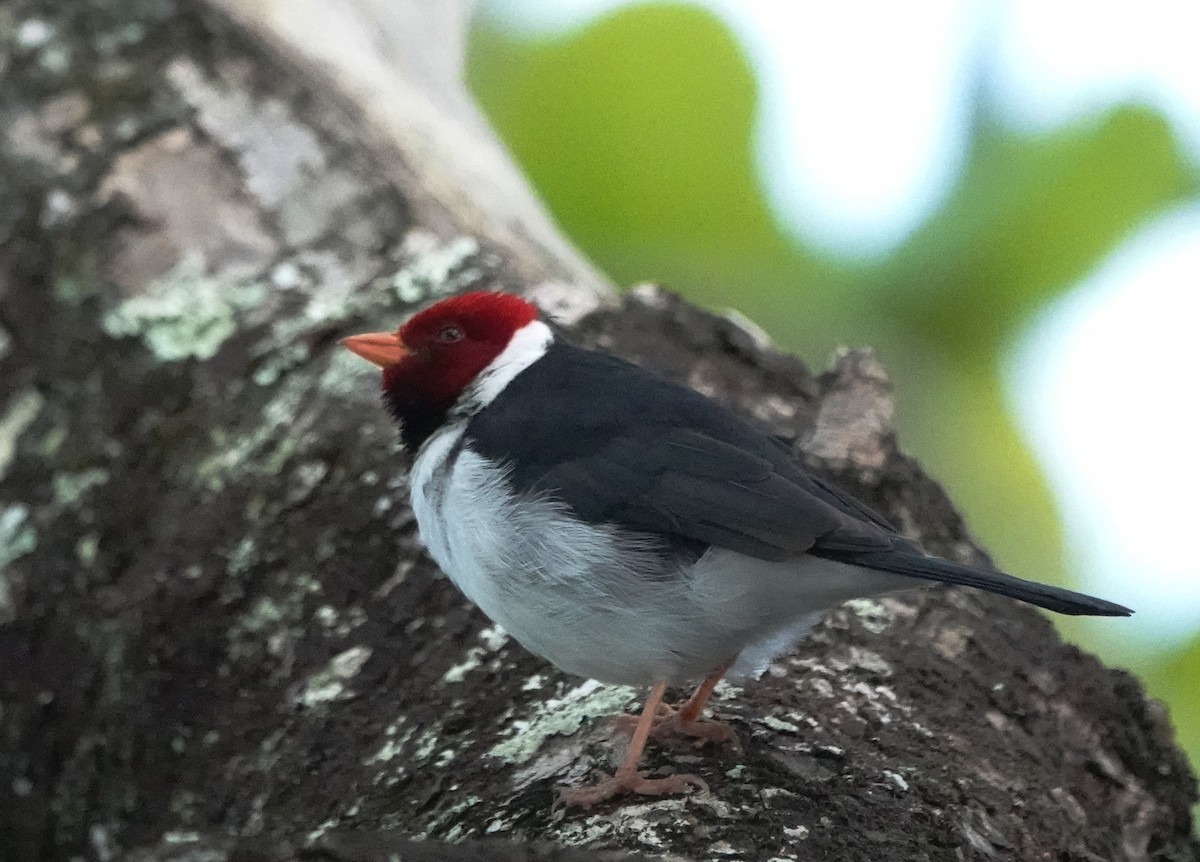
{"x":668,"y":722}
{"x":630,"y":782}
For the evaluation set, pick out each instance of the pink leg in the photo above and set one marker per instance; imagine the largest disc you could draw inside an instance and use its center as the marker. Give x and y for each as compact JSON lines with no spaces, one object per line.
{"x":627,"y":778}
{"x":689,"y":721}
{"x":686,"y":720}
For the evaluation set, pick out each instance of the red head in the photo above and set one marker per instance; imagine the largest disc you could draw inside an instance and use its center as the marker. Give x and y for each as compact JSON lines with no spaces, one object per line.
{"x":432,"y":358}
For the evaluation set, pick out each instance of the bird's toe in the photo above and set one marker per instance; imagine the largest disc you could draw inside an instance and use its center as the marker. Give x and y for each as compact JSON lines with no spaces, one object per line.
{"x":632,"y":782}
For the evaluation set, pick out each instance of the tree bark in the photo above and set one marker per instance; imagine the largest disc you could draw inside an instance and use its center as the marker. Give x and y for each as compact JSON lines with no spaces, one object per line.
{"x":219,"y":636}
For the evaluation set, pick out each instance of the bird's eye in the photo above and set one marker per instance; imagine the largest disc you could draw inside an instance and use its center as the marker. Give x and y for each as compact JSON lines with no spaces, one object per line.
{"x":449,"y":334}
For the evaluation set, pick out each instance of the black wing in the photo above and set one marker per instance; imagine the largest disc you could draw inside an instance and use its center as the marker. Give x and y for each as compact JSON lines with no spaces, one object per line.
{"x":664,"y":459}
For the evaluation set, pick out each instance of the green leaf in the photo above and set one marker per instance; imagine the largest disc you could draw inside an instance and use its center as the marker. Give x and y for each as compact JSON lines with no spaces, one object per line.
{"x":1031,"y":217}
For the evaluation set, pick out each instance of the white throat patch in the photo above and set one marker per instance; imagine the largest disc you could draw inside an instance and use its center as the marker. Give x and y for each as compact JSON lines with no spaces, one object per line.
{"x":527,"y":345}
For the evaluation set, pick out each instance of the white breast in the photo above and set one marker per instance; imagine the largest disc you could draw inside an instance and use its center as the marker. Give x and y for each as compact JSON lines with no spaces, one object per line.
{"x":565,"y":590}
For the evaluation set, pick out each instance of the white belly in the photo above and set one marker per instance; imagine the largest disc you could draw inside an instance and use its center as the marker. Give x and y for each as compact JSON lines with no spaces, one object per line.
{"x":602,"y":606}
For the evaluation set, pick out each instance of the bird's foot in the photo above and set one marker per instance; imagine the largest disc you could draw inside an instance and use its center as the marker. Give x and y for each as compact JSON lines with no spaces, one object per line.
{"x":706,"y":730}
{"x":670,"y":722}
{"x":627,"y":724}
{"x":629,"y":782}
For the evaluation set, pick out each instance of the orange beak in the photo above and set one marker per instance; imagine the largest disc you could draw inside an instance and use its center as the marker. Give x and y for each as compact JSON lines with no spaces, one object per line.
{"x":382,"y":348}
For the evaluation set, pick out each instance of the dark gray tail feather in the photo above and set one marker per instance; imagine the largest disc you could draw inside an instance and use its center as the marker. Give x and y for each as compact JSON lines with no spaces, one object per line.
{"x":947,"y":572}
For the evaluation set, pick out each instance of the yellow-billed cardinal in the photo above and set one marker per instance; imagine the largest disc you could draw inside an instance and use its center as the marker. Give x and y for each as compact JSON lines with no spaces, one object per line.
{"x":623,"y":527}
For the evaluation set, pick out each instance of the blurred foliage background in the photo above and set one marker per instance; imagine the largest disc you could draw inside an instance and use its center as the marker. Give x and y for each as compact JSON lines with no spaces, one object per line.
{"x":637,"y":131}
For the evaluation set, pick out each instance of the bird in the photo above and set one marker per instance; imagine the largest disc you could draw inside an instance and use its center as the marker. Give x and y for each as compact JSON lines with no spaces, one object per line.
{"x":626,"y":528}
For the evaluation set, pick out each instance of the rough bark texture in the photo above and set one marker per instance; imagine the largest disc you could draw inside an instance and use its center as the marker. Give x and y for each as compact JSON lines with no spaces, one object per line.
{"x":219,"y":637}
